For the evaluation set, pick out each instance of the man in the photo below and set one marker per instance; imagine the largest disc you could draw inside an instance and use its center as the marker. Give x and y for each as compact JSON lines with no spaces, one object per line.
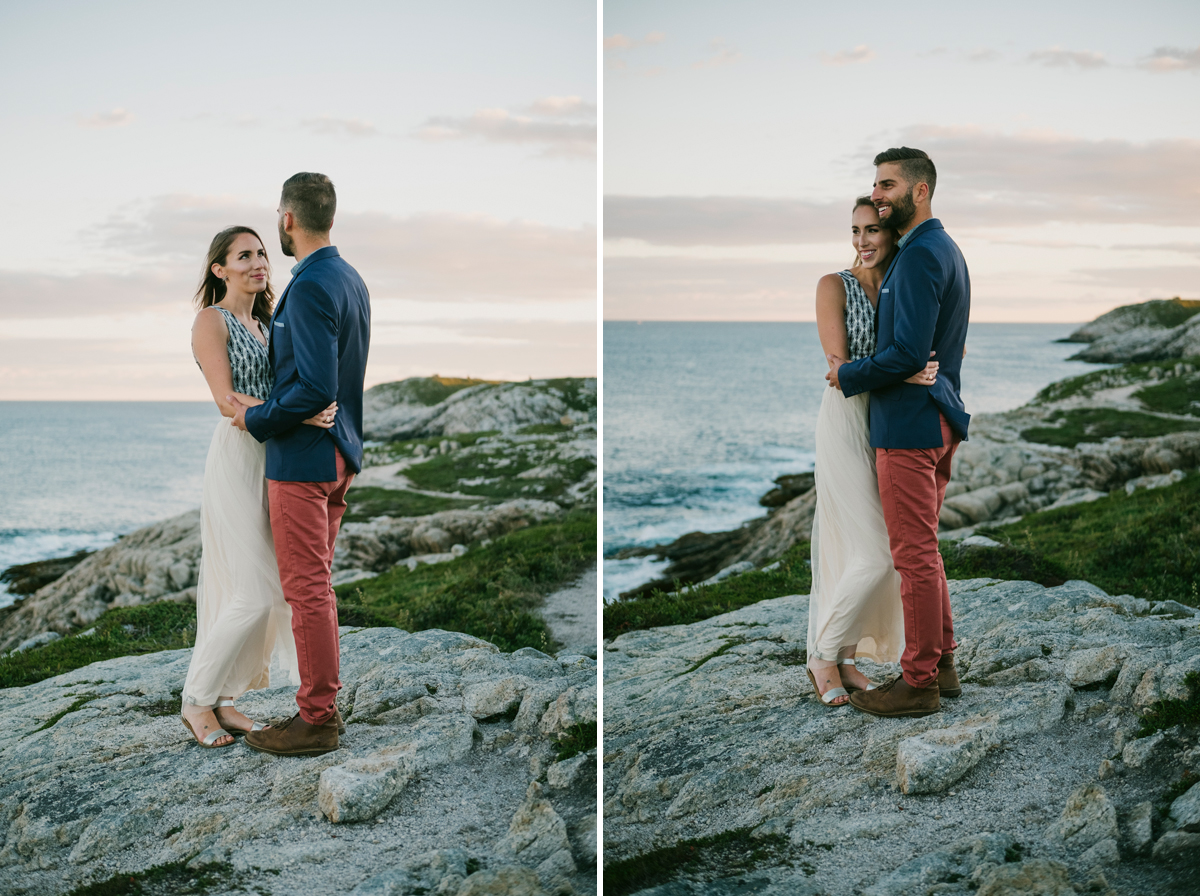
{"x":924,"y":303}
{"x":319,"y":336}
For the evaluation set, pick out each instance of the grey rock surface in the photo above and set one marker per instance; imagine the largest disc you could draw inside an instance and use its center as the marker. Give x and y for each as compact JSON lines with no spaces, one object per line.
{"x":713,"y":727}
{"x":428,"y":789}
{"x":1185,"y":811}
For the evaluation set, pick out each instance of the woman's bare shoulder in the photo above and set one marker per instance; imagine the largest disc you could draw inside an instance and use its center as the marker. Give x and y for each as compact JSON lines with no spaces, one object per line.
{"x":831,"y":286}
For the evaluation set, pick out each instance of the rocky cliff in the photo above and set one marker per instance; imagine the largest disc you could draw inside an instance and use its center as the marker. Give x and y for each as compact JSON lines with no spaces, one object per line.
{"x":432,"y":406}
{"x":448,"y":780}
{"x":1034,"y":781}
{"x":1157,"y":330}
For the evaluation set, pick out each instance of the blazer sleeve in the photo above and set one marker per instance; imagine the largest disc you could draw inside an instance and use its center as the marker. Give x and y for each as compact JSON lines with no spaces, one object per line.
{"x":313,"y":327}
{"x":916,"y":304}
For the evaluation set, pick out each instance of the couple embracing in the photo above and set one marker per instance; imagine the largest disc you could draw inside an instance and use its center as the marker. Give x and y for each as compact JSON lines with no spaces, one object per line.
{"x":886,"y":434}
{"x":290,"y":377}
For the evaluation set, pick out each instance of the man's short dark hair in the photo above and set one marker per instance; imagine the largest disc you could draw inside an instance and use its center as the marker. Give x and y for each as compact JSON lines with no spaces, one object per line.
{"x":915,"y":164}
{"x":311,"y":199}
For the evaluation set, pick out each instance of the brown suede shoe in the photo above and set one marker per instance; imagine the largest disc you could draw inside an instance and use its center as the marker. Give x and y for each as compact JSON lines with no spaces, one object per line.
{"x":897,"y":698}
{"x":296,"y":737}
{"x":948,"y":683}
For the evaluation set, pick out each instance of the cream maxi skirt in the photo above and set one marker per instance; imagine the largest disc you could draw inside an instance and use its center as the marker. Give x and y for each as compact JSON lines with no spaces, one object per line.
{"x":243,"y":624}
{"x":855,"y":598}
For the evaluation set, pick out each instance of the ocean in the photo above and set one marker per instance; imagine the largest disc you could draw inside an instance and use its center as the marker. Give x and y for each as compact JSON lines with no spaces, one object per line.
{"x":699,"y":418}
{"x":75,"y":475}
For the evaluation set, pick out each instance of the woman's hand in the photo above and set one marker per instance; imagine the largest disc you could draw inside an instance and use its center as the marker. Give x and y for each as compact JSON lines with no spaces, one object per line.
{"x":325,"y":418}
{"x":926,"y":377}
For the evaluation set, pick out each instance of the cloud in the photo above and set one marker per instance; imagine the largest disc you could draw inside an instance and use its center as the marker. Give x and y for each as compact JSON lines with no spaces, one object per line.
{"x":557,"y":138}
{"x":433,"y":255}
{"x":563,"y":107}
{"x":114,"y":119}
{"x":1171,"y":59}
{"x":1150,"y":282}
{"x":26,"y":295}
{"x":722,"y":54}
{"x":983,"y":55}
{"x":1057,"y":57}
{"x":706,"y":289}
{"x":624,"y":42}
{"x":861,"y":53}
{"x":985,"y":180}
{"x":348,"y":127}
{"x":722,"y":220}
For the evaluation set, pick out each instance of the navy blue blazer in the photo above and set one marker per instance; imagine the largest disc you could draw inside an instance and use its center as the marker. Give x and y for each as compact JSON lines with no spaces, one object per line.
{"x":924,"y":304}
{"x":319,"y":336}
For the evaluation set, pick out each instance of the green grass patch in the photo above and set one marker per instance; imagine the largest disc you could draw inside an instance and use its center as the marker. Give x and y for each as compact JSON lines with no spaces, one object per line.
{"x":1097,"y":424}
{"x":1013,"y":563}
{"x":1146,"y":544}
{"x":490,"y":592}
{"x":544,"y":429}
{"x":124,"y":631}
{"x":1178,"y":395}
{"x":1163,"y":714}
{"x":444,"y":472}
{"x":81,"y":700}
{"x":579,"y":738}
{"x":703,"y":602}
{"x":723,"y":855}
{"x":368,"y":502}
{"x":1108,"y":378}
{"x":167,"y":880}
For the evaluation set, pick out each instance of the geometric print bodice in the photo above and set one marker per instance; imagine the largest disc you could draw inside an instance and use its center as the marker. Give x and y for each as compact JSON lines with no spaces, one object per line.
{"x":248,"y":359}
{"x":860,"y":319}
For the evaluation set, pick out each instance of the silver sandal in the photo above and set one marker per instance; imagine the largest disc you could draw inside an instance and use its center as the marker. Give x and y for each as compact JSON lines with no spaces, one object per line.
{"x":209,"y":741}
{"x":849,"y":661}
{"x":254,"y":726}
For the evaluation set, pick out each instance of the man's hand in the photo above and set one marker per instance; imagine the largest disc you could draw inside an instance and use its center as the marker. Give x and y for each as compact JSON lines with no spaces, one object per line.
{"x":239,"y":415}
{"x":834,"y":364}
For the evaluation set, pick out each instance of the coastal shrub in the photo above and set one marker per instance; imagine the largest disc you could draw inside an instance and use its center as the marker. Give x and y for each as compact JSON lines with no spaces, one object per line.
{"x":1146,"y":544}
{"x":426,"y":390}
{"x":366,"y":503}
{"x":718,"y":856}
{"x":167,"y":880}
{"x":125,"y":631}
{"x":579,"y":738}
{"x":1096,"y":424}
{"x":681,"y":607}
{"x":1163,"y":714}
{"x":491,"y":592}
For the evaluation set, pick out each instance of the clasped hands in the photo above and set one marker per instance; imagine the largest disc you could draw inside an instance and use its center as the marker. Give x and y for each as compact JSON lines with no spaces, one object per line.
{"x":322,"y":419}
{"x":925,"y":377}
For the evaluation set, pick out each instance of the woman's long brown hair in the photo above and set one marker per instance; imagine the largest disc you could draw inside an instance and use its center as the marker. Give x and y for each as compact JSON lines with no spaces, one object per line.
{"x":212,"y":289}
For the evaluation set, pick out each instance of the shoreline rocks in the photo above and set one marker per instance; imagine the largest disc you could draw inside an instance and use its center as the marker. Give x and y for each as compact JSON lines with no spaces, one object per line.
{"x":448,"y":744}
{"x":713,"y":727}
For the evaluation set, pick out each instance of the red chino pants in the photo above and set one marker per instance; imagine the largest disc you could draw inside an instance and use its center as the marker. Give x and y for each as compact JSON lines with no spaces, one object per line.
{"x":912,"y":485}
{"x":305,"y":517}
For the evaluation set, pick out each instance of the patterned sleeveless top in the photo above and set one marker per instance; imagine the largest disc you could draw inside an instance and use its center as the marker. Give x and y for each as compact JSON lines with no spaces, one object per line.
{"x":860,"y":319}
{"x":248,"y":359}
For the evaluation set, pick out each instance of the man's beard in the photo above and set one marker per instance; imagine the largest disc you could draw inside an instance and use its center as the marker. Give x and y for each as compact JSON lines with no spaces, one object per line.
{"x":288,"y":245}
{"x":902,"y":213}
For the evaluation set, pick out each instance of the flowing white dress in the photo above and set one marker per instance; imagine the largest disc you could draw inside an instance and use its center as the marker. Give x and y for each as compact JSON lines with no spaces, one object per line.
{"x":243,"y":624}
{"x":855,"y":601}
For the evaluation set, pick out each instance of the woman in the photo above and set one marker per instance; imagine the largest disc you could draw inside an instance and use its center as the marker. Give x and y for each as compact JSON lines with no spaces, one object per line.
{"x":855,"y":604}
{"x":242,"y":620}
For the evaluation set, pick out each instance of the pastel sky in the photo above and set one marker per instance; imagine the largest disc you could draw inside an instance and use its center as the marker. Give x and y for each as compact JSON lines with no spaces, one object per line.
{"x":460,"y":137}
{"x":737,"y":135}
